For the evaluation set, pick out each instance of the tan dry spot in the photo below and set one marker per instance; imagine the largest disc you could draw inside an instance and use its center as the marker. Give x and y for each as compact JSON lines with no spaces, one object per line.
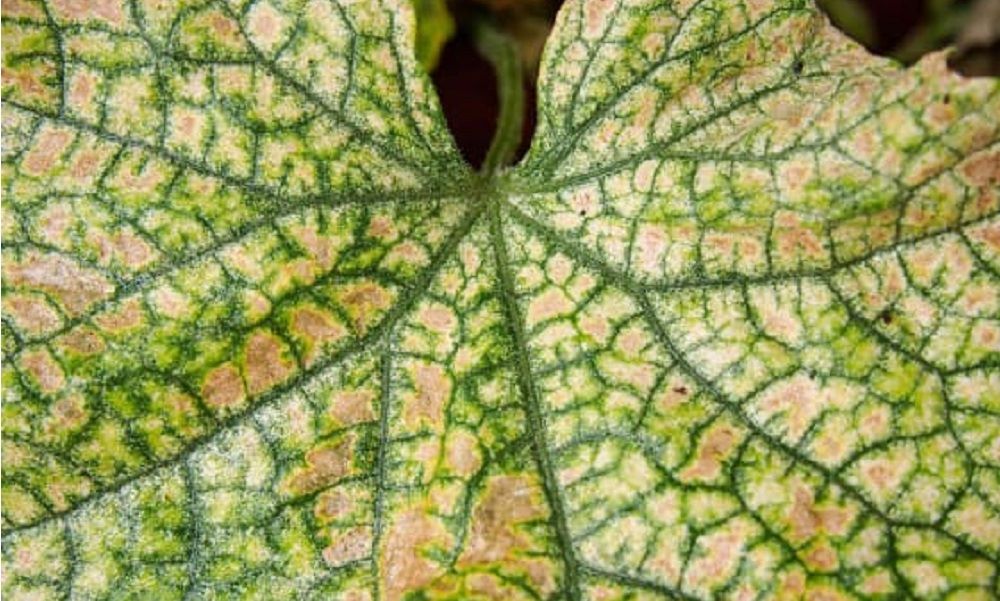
{"x":832,"y":444}
{"x":808,"y":519}
{"x":223,"y":27}
{"x":463,"y":454}
{"x":264,"y":365}
{"x":44,"y":369}
{"x":125,"y":317}
{"x":713,"y":448}
{"x":170,"y":303}
{"x":508,"y":501}
{"x":776,"y":317}
{"x":333,"y":504}
{"x":60,"y":491}
{"x":432,"y":388}
{"x":265,"y":25}
{"x":223,"y":387}
{"x":86,"y":165}
{"x":132,"y":181}
{"x":188,"y":127}
{"x":983,"y":169}
{"x":550,"y":303}
{"x":316,"y":327}
{"x":353,"y":545}
{"x":595,"y":326}
{"x":109,"y":11}
{"x":745,"y":248}
{"x":495,"y":537}
{"x":488,"y":586}
{"x":989,"y":235}
{"x":437,"y":318}
{"x":46,"y":151}
{"x":242,"y":260}
{"x":127,"y":248}
{"x":405,"y":563}
{"x":29,"y":81}
{"x":794,"y":175}
{"x":878,"y":583}
{"x":986,"y":337}
{"x":351,"y":407}
{"x":632,"y":341}
{"x":75,"y":287}
{"x":408,"y":253}
{"x":875,"y":422}
{"x":822,"y":558}
{"x":321,"y":248}
{"x":54,"y":221}
{"x":979,"y":299}
{"x":666,"y":560}
{"x":363,"y":302}
{"x":651,"y":245}
{"x":257,"y":305}
{"x":792,"y":237}
{"x":81,"y":341}
{"x":598,"y":13}
{"x":470,"y":258}
{"x":22,"y":8}
{"x":585,"y":202}
{"x":82,"y":89}
{"x":979,"y":523}
{"x":559,"y":269}
{"x":675,"y":392}
{"x":639,"y":374}
{"x":33,"y":315}
{"x":66,"y":415}
{"x":326,"y":464}
{"x":799,"y":399}
{"x":792,"y":586}
{"x":881,"y":474}
{"x":720,"y":554}
{"x":381,"y":227}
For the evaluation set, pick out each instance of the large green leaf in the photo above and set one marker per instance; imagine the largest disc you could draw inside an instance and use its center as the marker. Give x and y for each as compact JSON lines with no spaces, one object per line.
{"x":731,"y":329}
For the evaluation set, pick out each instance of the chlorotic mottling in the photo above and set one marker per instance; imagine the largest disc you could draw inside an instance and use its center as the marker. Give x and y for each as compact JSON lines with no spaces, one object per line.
{"x":730,"y":330}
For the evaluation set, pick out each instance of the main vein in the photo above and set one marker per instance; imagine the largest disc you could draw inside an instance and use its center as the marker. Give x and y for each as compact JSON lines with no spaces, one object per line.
{"x":532,"y":405}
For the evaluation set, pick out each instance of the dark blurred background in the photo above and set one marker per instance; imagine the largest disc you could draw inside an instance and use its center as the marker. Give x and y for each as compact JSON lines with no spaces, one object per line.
{"x":902,"y":29}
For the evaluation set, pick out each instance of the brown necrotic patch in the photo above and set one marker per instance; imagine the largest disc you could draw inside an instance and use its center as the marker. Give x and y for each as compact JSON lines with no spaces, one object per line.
{"x":715,"y":446}
{"x":349,"y":407}
{"x":44,"y":155}
{"x":325,"y":465}
{"x":82,"y":341}
{"x":66,"y":415}
{"x":31,"y":313}
{"x":808,"y":518}
{"x":364,"y":302}
{"x":348,"y":547}
{"x":265,"y":365}
{"x":406,"y":551}
{"x":74,"y":287}
{"x":495,"y":536}
{"x":110,"y":11}
{"x":431,"y":390}
{"x":127,"y":316}
{"x":318,"y":328}
{"x":223,"y":387}
{"x":44,"y":370}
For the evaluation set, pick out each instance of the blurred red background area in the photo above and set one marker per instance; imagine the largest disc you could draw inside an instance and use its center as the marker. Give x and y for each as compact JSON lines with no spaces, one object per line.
{"x":466,"y":85}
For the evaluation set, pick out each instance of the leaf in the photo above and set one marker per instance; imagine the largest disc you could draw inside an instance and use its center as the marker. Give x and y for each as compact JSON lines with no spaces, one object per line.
{"x":732,"y":327}
{"x":435,"y":26}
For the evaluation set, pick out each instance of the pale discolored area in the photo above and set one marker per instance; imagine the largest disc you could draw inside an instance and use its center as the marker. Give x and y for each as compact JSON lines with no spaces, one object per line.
{"x":729,"y":331}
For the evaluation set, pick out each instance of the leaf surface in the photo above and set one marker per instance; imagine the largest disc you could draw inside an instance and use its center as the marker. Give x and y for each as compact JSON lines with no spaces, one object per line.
{"x":731,"y":328}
